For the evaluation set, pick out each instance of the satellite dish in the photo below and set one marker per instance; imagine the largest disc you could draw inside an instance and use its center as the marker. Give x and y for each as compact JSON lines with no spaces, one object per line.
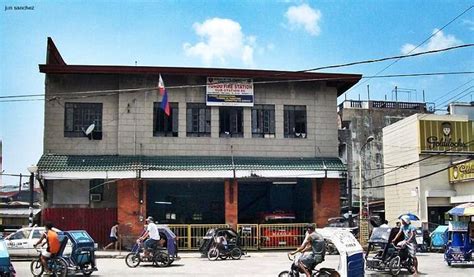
{"x":90,"y":129}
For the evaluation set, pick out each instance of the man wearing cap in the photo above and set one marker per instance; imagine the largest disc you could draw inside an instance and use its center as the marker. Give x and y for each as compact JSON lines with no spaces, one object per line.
{"x":316,"y":243}
{"x":409,"y":232}
{"x":152,"y":234}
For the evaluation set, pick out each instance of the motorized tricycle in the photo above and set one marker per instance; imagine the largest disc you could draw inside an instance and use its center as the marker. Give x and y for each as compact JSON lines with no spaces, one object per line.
{"x":381,"y":245}
{"x":80,"y":260}
{"x":460,"y":243}
{"x":6,"y":267}
{"x":163,"y":255}
{"x":439,"y":238}
{"x":351,"y":256}
{"x":221,"y":243}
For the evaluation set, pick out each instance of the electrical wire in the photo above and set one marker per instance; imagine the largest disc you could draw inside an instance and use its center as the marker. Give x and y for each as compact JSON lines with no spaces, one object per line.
{"x":423,"y":42}
{"x":97,"y":93}
{"x":389,"y":58}
{"x":413,"y":179}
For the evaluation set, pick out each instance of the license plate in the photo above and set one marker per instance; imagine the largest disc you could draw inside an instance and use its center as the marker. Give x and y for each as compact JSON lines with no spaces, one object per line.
{"x":282,"y":243}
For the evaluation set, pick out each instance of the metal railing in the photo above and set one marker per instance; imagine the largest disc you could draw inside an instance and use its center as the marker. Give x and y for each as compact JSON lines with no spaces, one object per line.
{"x":252,"y":236}
{"x":189,"y":235}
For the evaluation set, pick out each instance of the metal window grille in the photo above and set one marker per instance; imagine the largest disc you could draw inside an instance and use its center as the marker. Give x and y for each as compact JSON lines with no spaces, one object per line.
{"x":198,"y":120}
{"x":163,"y":125}
{"x":295,"y":121}
{"x":79,"y":116}
{"x":230,"y":119}
{"x":263,"y":121}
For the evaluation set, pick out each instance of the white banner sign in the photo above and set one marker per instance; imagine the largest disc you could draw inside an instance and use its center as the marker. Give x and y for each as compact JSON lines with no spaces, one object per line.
{"x":229,"y":92}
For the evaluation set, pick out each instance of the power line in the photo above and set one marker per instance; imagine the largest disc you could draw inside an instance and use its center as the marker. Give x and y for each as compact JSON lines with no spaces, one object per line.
{"x":411,"y":163}
{"x":423,"y":42}
{"x":446,"y":94}
{"x":413,"y":179}
{"x":96,"y":93}
{"x":389,"y":58}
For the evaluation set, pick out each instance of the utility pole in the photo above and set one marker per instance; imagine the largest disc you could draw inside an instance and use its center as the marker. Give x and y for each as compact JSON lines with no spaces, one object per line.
{"x":32,"y":169}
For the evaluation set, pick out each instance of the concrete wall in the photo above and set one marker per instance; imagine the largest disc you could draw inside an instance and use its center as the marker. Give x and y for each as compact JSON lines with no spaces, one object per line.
{"x":364,"y":122}
{"x":400,"y":142}
{"x":128,"y":119}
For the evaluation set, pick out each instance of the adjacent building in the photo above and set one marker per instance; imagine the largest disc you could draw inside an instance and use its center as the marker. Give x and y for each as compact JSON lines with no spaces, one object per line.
{"x":358,"y":121}
{"x":433,"y":172}
{"x":235,"y":146}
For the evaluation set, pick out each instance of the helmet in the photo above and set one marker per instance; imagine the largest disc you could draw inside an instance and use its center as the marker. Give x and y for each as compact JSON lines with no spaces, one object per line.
{"x":406,"y":219}
{"x":150,"y":219}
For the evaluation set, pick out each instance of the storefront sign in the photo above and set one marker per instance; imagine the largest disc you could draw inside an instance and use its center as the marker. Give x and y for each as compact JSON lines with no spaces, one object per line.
{"x":229,"y":92}
{"x":446,"y":136}
{"x":461,"y":172}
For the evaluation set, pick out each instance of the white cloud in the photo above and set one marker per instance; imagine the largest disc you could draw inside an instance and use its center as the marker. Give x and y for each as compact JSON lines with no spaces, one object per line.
{"x":221,"y":40}
{"x":303,"y":16}
{"x":438,"y":41}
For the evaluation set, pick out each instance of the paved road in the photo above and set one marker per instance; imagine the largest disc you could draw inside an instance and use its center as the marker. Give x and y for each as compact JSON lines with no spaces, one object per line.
{"x":257,"y":264}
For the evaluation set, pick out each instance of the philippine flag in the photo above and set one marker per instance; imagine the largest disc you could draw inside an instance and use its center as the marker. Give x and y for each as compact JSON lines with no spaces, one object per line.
{"x":165,"y":105}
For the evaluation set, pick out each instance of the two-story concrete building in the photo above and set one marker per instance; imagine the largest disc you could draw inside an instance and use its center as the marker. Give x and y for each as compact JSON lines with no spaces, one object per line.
{"x":237,"y":144}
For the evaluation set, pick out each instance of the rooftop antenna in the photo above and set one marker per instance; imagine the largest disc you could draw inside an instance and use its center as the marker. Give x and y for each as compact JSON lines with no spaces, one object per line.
{"x":89,"y":131}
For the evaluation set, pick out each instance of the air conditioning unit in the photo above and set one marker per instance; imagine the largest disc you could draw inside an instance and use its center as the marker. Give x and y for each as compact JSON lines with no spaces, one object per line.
{"x":96,"y":197}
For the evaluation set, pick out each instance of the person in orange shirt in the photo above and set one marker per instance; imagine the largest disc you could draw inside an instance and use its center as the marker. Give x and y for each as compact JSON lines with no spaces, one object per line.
{"x":52,"y":240}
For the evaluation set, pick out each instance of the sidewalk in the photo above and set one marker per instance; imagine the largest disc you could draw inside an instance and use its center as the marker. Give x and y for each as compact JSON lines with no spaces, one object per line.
{"x":101,"y":254}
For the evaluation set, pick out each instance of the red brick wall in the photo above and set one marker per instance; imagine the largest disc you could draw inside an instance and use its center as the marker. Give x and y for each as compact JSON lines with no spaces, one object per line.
{"x":129,"y":208}
{"x":326,"y":200}
{"x":231,"y":192}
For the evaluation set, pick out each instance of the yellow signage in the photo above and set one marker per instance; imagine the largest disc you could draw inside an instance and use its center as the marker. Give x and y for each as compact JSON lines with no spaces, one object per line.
{"x":446,"y":136}
{"x":461,"y":172}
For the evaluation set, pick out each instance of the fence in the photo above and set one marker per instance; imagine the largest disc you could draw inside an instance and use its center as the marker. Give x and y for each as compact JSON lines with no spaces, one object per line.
{"x":253,"y":236}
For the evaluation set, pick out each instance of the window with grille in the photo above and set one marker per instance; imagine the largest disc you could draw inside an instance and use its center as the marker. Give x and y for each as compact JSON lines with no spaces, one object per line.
{"x":263,"y":121}
{"x":198,"y":120}
{"x":230,"y":122}
{"x":295,"y":121}
{"x":163,"y":125}
{"x":79,"y":116}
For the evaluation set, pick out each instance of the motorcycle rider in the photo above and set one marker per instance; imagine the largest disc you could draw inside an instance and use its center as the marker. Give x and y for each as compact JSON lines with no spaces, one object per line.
{"x":53,"y":245}
{"x":316,"y":243}
{"x":152,"y":234}
{"x":409,"y":232}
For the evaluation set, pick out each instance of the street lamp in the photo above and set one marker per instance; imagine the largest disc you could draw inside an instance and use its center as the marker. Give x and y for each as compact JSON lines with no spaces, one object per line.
{"x":32,"y":169}
{"x":369,"y":139}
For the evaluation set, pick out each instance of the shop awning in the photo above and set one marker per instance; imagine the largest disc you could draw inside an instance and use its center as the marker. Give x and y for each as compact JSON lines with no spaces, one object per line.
{"x":53,"y":166}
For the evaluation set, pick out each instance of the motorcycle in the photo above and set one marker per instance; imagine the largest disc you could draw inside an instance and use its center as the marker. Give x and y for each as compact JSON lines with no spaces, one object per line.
{"x":295,"y":270}
{"x":401,"y":259}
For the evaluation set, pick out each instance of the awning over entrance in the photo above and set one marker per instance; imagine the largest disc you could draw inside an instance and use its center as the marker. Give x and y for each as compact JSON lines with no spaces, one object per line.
{"x":159,"y":167}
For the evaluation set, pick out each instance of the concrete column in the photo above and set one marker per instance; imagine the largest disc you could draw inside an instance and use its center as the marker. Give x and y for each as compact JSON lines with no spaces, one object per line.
{"x":325,"y":196}
{"x":231,"y":192}
{"x":131,"y":206}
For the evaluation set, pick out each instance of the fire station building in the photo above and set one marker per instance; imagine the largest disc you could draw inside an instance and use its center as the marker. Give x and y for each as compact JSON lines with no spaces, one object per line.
{"x":236,"y":145}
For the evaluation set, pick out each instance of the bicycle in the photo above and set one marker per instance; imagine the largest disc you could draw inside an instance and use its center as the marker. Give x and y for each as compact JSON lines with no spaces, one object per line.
{"x":295,"y":270}
{"x":56,"y":264}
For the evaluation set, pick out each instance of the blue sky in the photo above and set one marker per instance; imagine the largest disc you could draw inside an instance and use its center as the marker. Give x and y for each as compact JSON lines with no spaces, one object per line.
{"x":282,"y":35}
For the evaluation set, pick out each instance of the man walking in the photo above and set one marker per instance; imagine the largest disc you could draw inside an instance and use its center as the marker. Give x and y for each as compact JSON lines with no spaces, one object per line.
{"x":114,"y":236}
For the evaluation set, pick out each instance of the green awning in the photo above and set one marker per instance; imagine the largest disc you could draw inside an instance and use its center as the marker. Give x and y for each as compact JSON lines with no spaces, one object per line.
{"x":215,"y":166}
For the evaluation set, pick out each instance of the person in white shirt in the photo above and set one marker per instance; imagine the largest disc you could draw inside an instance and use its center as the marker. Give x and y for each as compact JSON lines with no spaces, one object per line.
{"x":152,"y":234}
{"x":114,"y":236}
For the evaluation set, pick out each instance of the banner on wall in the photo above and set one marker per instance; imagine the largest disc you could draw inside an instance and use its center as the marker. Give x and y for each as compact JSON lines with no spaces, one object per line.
{"x":222,"y":91}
